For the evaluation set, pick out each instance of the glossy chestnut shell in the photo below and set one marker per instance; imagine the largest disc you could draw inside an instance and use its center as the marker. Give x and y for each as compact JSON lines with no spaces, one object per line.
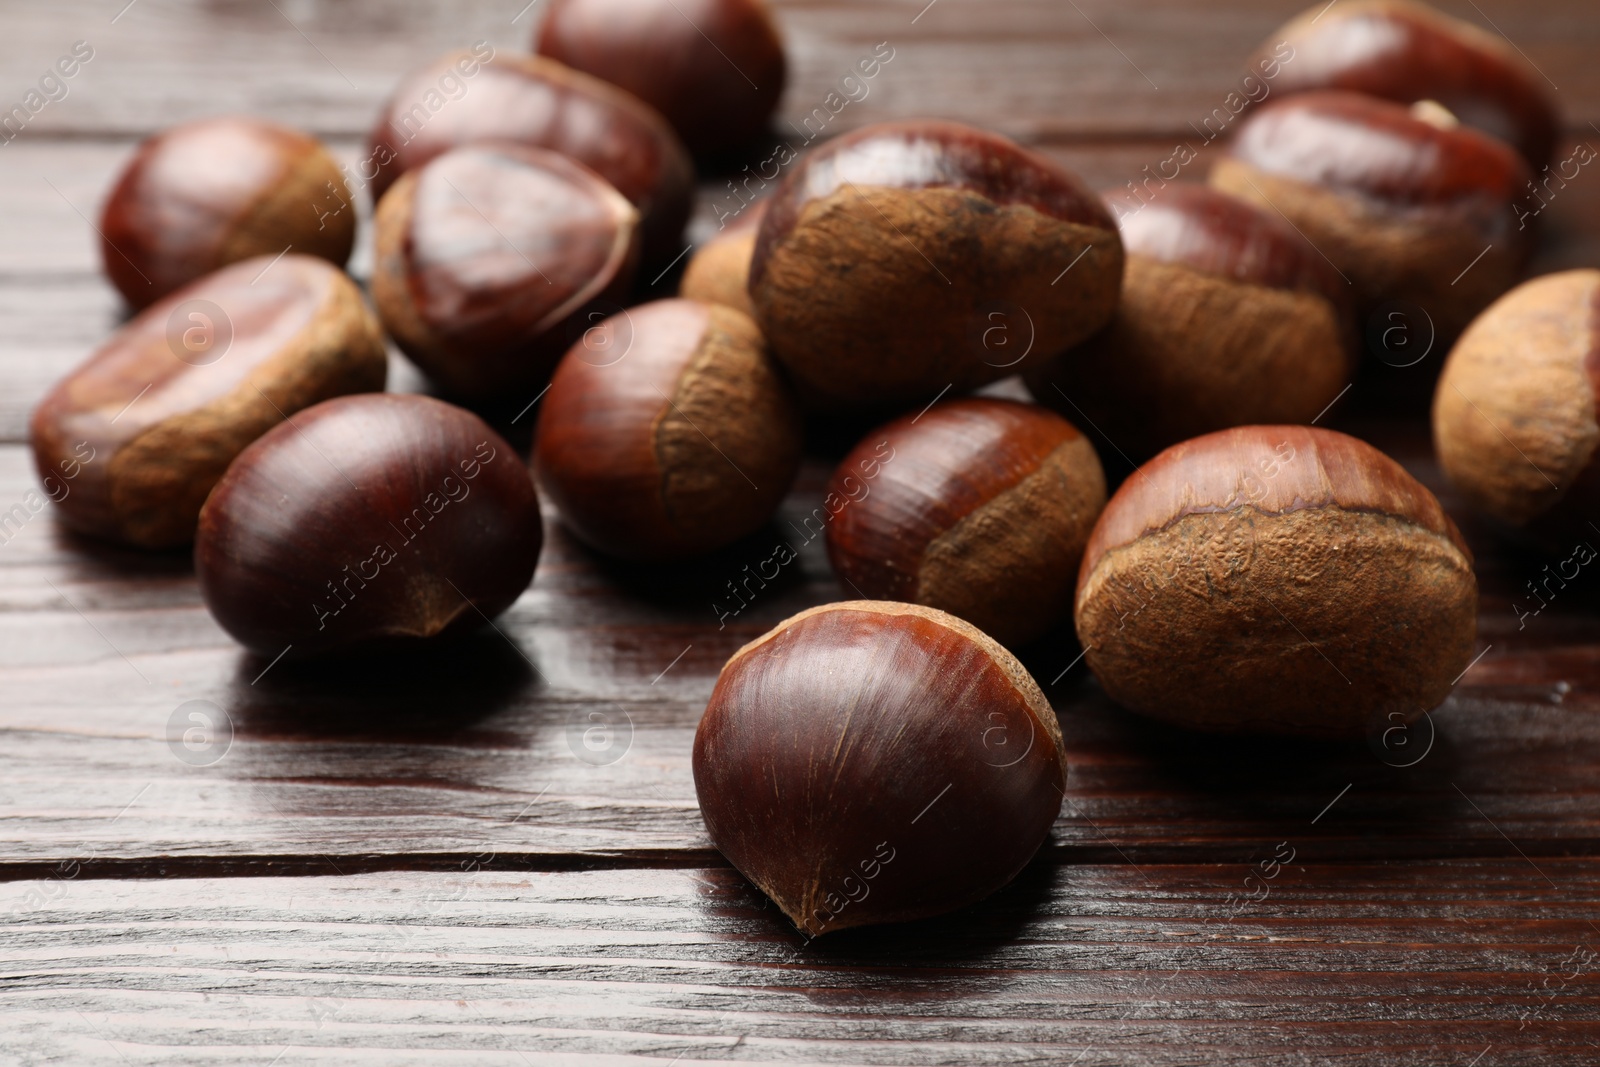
{"x":1406,"y":52}
{"x":364,"y":523}
{"x":978,"y":506}
{"x":910,"y":258}
{"x":1277,"y":579}
{"x":873,"y":762}
{"x":667,"y":432}
{"x":158,"y":412}
{"x":538,"y":102}
{"x":205,"y":194}
{"x":714,"y":68}
{"x":1228,"y":318}
{"x":1406,"y":208}
{"x":491,"y":259}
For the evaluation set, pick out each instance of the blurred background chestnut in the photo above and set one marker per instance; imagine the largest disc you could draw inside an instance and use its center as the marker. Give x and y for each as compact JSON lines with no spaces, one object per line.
{"x":714,"y":68}
{"x":490,"y":260}
{"x":158,"y":412}
{"x":538,"y":102}
{"x":667,"y":432}
{"x":367,"y":522}
{"x":204,"y":194}
{"x":891,"y":257}
{"x":1406,"y":52}
{"x":1405,"y":203}
{"x":978,"y":506}
{"x":1227,"y":318}
{"x":1514,"y":414}
{"x":719,"y":271}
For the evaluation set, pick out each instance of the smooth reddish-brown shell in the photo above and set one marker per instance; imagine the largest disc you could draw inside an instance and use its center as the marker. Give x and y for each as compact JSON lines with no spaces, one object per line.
{"x":1346,"y":141}
{"x":204,"y":194}
{"x":667,"y":432}
{"x":1273,"y":469}
{"x":977,"y":506}
{"x":714,"y":68}
{"x":1407,"y":52}
{"x":1197,"y":226}
{"x":871,"y":762}
{"x":538,"y":102}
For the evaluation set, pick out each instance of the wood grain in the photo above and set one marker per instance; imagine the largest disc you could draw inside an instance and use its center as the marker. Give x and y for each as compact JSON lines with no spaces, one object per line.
{"x":1397,"y":964}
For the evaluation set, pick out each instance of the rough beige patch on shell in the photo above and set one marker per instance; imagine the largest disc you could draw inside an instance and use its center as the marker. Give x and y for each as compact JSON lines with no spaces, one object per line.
{"x":1318,"y":622}
{"x":837,"y":294}
{"x":720,"y":272}
{"x":727,"y":442}
{"x":1514,"y":413}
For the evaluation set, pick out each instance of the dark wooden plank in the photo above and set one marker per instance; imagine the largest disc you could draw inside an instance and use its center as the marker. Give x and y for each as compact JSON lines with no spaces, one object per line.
{"x":1408,"y":963}
{"x":102,"y":650}
{"x":1037,"y":68}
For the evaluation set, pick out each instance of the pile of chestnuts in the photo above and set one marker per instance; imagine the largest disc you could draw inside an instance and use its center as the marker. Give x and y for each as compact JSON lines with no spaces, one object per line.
{"x":1251,"y":571}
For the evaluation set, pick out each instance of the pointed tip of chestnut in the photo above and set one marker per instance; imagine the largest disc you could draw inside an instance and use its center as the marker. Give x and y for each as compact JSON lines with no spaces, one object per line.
{"x":1405,"y":52}
{"x":365,"y":523}
{"x":204,"y":194}
{"x":872,"y":762}
{"x":1276,"y":579}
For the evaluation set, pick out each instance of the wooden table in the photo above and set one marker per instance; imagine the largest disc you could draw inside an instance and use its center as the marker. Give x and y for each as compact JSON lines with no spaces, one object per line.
{"x":496,"y":856}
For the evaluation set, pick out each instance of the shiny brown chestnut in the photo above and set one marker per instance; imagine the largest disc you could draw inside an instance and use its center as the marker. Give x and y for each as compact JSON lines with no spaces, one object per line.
{"x":205,"y":194}
{"x":1514,"y":414}
{"x":1277,"y":579}
{"x":874,"y":762}
{"x":1227,"y":318}
{"x":491,"y":258}
{"x":1407,"y":52}
{"x":667,"y":432}
{"x":719,"y":272}
{"x":909,"y":258}
{"x":1407,"y":205}
{"x":978,"y":506}
{"x":367,"y":522}
{"x":158,"y":412}
{"x":714,"y":68}
{"x":535,"y":101}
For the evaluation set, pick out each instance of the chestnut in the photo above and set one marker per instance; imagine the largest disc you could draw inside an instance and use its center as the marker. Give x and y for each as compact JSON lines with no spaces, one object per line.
{"x":1514,"y":414}
{"x":667,"y":432}
{"x":209,"y":193}
{"x":158,"y":412}
{"x":367,"y":522}
{"x":908,"y":258}
{"x":719,"y":272}
{"x":1407,"y":205}
{"x":1276,"y":579}
{"x":538,"y":102}
{"x":1227,"y":318}
{"x":1406,"y":52}
{"x":490,"y":258}
{"x":874,"y":762}
{"x":980,"y":508}
{"x":714,"y":68}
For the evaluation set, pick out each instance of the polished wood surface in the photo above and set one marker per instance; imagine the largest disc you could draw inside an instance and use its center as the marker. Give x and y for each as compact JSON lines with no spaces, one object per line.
{"x":495,"y":854}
